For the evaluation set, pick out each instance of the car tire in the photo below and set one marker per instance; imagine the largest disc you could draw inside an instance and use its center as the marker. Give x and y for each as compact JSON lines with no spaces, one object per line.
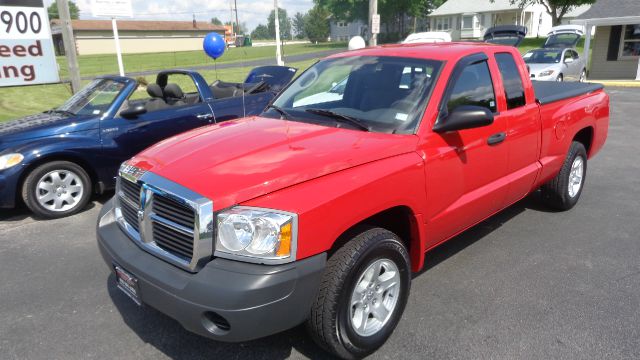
{"x":56,"y":189}
{"x":563,"y":191}
{"x":560,"y":78}
{"x":583,"y":76}
{"x":362,"y":295}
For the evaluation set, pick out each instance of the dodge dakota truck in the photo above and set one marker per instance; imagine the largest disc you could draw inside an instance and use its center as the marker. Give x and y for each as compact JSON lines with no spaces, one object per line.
{"x":320,"y":212}
{"x":55,"y":160}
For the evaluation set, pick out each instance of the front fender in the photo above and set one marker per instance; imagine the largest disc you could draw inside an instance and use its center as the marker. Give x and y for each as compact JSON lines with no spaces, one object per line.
{"x":330,"y":205}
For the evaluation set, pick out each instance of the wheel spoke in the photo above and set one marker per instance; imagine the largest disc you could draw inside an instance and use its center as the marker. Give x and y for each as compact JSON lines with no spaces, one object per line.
{"x":46,"y":197}
{"x":68,"y":179}
{"x":74,"y":189}
{"x":55,"y":178}
{"x":380,"y":312}
{"x":57,"y":203}
{"x":48,"y":187}
{"x":360,"y":318}
{"x":70,"y":200}
{"x":388,"y":281}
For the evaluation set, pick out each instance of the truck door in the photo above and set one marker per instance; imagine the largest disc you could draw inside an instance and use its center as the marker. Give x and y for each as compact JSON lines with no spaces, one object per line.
{"x":465,"y":169}
{"x":523,"y":128}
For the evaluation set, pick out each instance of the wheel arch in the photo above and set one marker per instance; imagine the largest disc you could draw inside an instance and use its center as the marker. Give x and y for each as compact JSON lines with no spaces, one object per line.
{"x":400,"y":220}
{"x":78,"y":160}
{"x":585,"y":137}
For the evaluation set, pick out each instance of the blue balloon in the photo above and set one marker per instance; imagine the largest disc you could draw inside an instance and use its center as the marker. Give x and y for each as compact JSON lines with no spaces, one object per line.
{"x":214,"y":45}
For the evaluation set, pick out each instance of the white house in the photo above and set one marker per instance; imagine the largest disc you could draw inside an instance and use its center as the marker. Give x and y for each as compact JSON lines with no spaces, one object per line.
{"x":615,"y":52}
{"x":469,"y":19}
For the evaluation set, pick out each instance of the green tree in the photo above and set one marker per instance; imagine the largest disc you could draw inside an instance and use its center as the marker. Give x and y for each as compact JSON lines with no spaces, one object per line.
{"x":317,"y":24}
{"x":285,"y":24}
{"x":74,"y":11}
{"x":347,"y":10}
{"x":261,"y":32}
{"x":298,"y":25}
{"x":216,"y":21}
{"x":556,"y":8}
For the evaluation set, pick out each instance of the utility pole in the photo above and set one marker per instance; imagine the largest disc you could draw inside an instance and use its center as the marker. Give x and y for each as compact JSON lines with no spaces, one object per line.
{"x":235,"y":4}
{"x":277,"y":24}
{"x":373,"y":10}
{"x":69,"y":45}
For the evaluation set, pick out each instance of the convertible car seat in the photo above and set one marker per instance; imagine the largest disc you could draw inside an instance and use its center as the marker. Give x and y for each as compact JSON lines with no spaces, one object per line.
{"x":174,"y":95}
{"x":157,"y":98}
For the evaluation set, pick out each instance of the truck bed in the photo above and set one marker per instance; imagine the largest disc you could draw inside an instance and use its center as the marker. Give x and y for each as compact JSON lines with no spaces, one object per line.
{"x":549,"y":91}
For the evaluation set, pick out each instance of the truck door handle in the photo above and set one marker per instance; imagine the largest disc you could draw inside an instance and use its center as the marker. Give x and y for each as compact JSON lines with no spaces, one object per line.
{"x":204,"y":116}
{"x":496,"y":138}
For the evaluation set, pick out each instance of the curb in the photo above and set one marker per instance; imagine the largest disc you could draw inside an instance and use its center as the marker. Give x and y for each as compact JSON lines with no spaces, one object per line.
{"x":618,"y":83}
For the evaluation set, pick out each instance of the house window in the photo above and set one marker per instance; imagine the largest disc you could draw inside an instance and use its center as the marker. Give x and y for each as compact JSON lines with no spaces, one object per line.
{"x":467,"y":22}
{"x":630,"y":47}
{"x":341,"y":24}
{"x":442,"y":24}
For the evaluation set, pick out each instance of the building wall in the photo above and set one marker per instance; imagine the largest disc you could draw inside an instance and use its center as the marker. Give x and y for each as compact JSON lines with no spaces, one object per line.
{"x":346,"y":32}
{"x":101,"y":42}
{"x":600,"y":68}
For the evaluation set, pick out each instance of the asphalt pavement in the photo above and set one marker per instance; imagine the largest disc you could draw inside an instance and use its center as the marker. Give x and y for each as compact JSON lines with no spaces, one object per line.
{"x":526,"y":284}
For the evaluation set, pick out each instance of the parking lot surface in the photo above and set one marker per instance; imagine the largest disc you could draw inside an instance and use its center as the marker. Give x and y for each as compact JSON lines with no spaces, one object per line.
{"x":526,"y":284}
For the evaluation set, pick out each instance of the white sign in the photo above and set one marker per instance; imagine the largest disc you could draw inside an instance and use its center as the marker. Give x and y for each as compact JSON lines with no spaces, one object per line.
{"x":111,"y":8}
{"x":27,"y":56}
{"x":375,"y":24}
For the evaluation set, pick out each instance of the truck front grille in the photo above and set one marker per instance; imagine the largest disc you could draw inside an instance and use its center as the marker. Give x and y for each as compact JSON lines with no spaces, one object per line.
{"x":164,"y":223}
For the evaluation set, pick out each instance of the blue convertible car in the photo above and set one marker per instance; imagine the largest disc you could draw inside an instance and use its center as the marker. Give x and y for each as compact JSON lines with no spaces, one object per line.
{"x":56,"y":160}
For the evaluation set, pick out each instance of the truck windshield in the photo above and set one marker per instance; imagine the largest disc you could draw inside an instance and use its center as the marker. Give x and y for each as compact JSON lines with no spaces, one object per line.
{"x":385,"y":94}
{"x":93,"y":99}
{"x":542,"y":56}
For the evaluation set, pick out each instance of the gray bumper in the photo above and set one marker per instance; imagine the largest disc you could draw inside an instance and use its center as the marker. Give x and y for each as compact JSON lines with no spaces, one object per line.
{"x":254,"y":300}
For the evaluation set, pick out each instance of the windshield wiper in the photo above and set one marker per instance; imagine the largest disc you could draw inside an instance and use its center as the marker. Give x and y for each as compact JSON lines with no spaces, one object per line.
{"x":337,"y":116}
{"x":282,"y":112}
{"x":58,"y":111}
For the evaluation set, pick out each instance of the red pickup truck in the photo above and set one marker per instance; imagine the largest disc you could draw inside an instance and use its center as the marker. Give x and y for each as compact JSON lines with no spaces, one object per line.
{"x":319,"y":210}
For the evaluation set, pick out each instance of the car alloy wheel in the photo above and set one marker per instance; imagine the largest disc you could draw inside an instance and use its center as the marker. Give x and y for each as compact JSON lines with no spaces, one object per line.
{"x":59,"y":190}
{"x":575,"y":176}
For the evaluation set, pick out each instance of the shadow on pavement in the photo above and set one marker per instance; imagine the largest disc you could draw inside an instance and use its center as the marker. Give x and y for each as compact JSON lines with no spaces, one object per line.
{"x":168,"y":336}
{"x":21,"y":212}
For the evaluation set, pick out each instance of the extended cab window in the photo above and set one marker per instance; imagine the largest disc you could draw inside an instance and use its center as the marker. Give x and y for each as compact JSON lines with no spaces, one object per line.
{"x":474,"y":87}
{"x":511,"y":79}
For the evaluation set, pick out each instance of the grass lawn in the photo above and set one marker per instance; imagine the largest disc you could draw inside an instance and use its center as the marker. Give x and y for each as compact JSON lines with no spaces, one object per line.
{"x":25,"y":100}
{"x":92,"y":65}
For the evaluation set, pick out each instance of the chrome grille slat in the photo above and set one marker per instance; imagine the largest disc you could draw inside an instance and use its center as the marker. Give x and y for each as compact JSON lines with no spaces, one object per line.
{"x":164,"y":218}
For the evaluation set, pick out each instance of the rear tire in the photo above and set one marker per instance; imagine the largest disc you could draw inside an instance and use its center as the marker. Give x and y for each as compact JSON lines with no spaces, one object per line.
{"x":583,"y":76}
{"x":563,"y":191}
{"x":362,"y":295}
{"x":56,"y":189}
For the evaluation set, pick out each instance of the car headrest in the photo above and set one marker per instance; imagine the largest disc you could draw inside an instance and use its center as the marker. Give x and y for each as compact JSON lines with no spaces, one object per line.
{"x":154,"y":90}
{"x":173,"y":91}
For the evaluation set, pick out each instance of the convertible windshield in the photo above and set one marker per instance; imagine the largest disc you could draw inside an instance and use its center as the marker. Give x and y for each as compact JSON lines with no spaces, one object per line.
{"x":93,"y":99}
{"x":382,"y":94}
{"x":542,"y":57}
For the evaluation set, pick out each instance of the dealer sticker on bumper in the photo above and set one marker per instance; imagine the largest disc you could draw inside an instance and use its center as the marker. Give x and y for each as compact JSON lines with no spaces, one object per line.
{"x":128,"y":284}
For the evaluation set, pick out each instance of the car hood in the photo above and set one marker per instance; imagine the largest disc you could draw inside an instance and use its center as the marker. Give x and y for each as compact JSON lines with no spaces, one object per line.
{"x":43,"y":125}
{"x":239,"y":160}
{"x":537,"y":68}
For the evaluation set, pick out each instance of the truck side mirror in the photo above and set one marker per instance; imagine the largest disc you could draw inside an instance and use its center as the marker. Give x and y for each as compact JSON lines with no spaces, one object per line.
{"x":133,"y":112}
{"x":464,"y":117}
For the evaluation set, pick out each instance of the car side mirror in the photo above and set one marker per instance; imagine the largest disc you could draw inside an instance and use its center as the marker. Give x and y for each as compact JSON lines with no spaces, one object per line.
{"x":464,"y":117}
{"x":133,"y":112}
{"x":568,"y":60}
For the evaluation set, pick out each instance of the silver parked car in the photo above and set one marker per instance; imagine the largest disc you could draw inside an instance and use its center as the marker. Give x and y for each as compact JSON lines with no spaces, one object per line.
{"x":558,"y":60}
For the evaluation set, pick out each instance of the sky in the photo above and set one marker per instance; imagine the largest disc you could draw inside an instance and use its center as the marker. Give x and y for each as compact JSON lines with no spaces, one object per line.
{"x":251,"y":12}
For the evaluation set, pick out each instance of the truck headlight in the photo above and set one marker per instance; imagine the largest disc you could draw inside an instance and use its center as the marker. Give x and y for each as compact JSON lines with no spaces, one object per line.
{"x":257,"y":235}
{"x":546,"y":73}
{"x":9,"y":160}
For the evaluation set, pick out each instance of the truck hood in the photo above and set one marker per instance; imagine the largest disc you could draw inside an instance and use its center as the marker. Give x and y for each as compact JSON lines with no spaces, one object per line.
{"x":43,"y":125}
{"x":239,"y":160}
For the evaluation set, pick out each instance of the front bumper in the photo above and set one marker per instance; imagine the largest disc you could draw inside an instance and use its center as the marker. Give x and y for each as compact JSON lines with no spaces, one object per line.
{"x":253,"y":300}
{"x":9,"y":185}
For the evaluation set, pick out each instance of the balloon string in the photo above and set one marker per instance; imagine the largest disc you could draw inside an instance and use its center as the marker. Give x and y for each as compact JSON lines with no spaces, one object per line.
{"x":215,"y":67}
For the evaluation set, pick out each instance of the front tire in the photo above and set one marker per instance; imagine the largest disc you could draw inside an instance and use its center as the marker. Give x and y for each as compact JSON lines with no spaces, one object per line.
{"x":56,"y":189}
{"x":583,"y":76}
{"x":560,"y":78}
{"x":563,"y":191}
{"x":362,"y":295}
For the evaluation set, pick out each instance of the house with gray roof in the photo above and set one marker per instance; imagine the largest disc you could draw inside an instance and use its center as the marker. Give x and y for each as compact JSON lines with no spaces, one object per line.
{"x":616,"y":47}
{"x":469,"y":19}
